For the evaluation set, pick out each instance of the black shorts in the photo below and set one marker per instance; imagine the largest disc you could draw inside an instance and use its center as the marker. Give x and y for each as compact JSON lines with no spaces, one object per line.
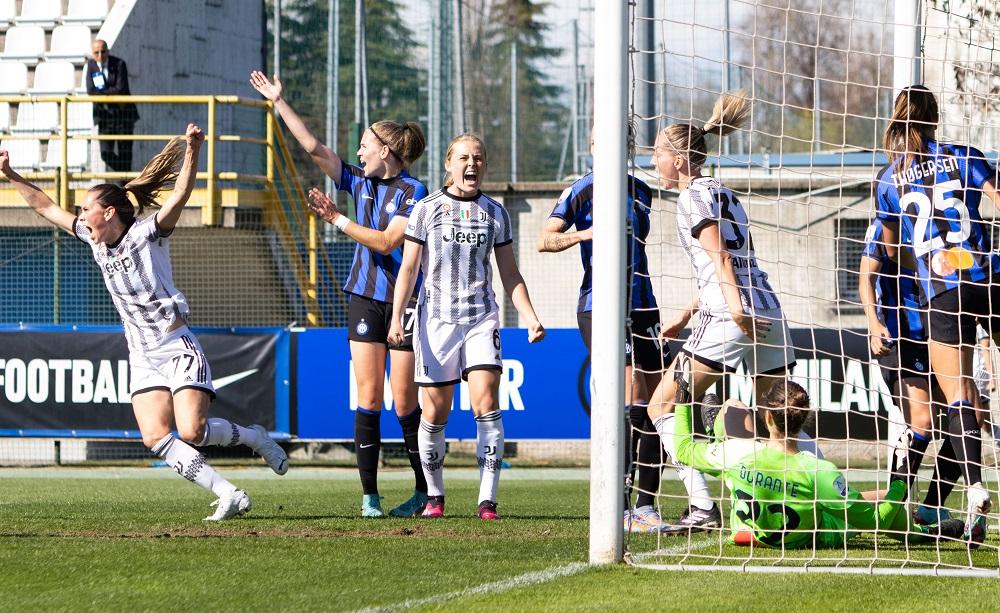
{"x":955,"y":313}
{"x":908,"y":360}
{"x":368,"y":321}
{"x":643,"y":349}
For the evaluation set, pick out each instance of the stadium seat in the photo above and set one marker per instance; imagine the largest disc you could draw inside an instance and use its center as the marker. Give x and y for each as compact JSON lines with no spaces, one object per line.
{"x":24,"y":43}
{"x":76,"y":155}
{"x":70,"y":43}
{"x":24,"y":154}
{"x":80,"y":117}
{"x":8,"y":11}
{"x":37,"y":118}
{"x":42,"y":13}
{"x":90,"y":13}
{"x":13,"y":78}
{"x":53,"y":78}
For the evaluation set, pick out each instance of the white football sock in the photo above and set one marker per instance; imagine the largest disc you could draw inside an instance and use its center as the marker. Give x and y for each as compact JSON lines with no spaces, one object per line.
{"x":188,"y":463}
{"x":222,"y":433}
{"x":693,"y":480}
{"x":430,"y":440}
{"x":489,"y":453}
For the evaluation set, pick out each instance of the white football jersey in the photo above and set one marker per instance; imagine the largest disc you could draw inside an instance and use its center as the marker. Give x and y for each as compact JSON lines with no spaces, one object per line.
{"x":458,"y":235}
{"x":707,"y":201}
{"x":139,"y":277}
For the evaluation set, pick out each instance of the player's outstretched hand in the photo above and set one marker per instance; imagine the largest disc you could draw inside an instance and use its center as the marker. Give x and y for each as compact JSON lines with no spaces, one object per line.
{"x":586,"y":235}
{"x":323,"y":205}
{"x":194,"y":136}
{"x":5,"y":162}
{"x":395,"y":336}
{"x":673,"y":327}
{"x":264,"y":86}
{"x":536,"y":331}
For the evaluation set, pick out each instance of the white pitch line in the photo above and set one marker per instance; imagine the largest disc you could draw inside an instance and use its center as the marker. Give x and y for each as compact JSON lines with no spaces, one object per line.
{"x":525,"y":580}
{"x":497,"y":587}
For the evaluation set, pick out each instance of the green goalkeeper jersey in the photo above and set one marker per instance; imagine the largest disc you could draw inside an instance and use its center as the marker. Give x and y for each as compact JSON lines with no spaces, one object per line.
{"x":786,"y":500}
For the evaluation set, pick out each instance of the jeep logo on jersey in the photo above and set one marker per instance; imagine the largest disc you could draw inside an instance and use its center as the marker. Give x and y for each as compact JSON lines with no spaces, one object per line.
{"x":118,"y":265}
{"x":460,"y":237}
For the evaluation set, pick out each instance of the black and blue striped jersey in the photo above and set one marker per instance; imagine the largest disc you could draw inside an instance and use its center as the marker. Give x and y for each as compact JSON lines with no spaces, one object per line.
{"x":378,"y":202}
{"x":576,"y":207}
{"x":935,"y":201}
{"x":897,"y":294}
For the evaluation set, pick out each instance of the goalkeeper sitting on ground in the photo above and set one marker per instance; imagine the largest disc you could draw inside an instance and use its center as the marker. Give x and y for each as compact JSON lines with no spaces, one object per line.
{"x":784,"y":497}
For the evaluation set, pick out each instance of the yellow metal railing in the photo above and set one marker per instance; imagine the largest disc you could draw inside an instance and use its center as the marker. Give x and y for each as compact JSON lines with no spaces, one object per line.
{"x":289,"y":214}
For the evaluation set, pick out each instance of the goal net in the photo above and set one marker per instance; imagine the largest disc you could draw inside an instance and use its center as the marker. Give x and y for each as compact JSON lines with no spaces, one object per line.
{"x":821,"y":77}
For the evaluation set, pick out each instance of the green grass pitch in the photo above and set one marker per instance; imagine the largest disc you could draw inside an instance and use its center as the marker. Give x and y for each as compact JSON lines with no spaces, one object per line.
{"x":134,"y":539}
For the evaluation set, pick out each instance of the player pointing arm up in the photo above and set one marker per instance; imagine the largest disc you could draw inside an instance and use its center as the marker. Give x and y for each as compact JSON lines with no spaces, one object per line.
{"x":384,"y":194}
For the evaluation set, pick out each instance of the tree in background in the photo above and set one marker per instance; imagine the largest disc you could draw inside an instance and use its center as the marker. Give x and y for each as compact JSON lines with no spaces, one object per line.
{"x":491,"y":27}
{"x":840,"y":42}
{"x":394,"y":79}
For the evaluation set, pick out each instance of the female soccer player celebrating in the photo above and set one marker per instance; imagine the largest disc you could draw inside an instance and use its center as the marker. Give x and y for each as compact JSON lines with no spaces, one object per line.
{"x":928,"y":201}
{"x":449,"y":238}
{"x":646,"y":355}
{"x":787,"y":498}
{"x":384,"y":194}
{"x":169,"y":377}
{"x":740,"y":317}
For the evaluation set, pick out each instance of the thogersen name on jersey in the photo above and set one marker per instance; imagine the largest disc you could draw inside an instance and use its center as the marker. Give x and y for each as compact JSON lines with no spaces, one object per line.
{"x":759,"y":479}
{"x":925,"y":169}
{"x":476,"y":238}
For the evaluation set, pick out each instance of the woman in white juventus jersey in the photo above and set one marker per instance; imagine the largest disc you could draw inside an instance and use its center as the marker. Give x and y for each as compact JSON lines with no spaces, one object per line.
{"x":449,"y":237}
{"x":740,"y":318}
{"x":169,"y":377}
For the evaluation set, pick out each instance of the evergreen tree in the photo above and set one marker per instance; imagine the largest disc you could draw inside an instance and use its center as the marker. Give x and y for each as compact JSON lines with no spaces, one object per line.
{"x":492,"y":26}
{"x":394,"y":80}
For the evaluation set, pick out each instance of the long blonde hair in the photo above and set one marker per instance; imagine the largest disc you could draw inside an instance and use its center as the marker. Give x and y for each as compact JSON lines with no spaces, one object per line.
{"x":730,"y":112}
{"x":451,"y":147}
{"x":914,"y":119}
{"x":158,"y":175}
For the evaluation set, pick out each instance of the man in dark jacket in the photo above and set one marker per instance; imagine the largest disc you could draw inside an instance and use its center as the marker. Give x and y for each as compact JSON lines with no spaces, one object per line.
{"x":108,"y":76}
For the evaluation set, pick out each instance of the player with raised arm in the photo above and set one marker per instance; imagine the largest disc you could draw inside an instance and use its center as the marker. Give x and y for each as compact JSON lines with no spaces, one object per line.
{"x":449,"y":238}
{"x":898,"y":340}
{"x":928,"y":198}
{"x":384,"y":194}
{"x":169,"y":377}
{"x":782,"y":496}
{"x":645,"y":355}
{"x":740,"y":318}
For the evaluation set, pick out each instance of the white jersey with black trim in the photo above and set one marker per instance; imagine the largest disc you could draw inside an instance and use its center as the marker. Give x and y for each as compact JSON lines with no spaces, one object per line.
{"x":139,"y":277}
{"x":458,"y":235}
{"x":707,"y":201}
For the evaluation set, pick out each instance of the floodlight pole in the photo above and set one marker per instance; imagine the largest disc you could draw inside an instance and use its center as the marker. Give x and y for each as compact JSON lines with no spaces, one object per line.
{"x":607,"y":421}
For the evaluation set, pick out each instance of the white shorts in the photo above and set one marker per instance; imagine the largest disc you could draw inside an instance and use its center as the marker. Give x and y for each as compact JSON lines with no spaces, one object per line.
{"x":719,"y":343}
{"x":178,"y":363}
{"x":446,"y":352}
